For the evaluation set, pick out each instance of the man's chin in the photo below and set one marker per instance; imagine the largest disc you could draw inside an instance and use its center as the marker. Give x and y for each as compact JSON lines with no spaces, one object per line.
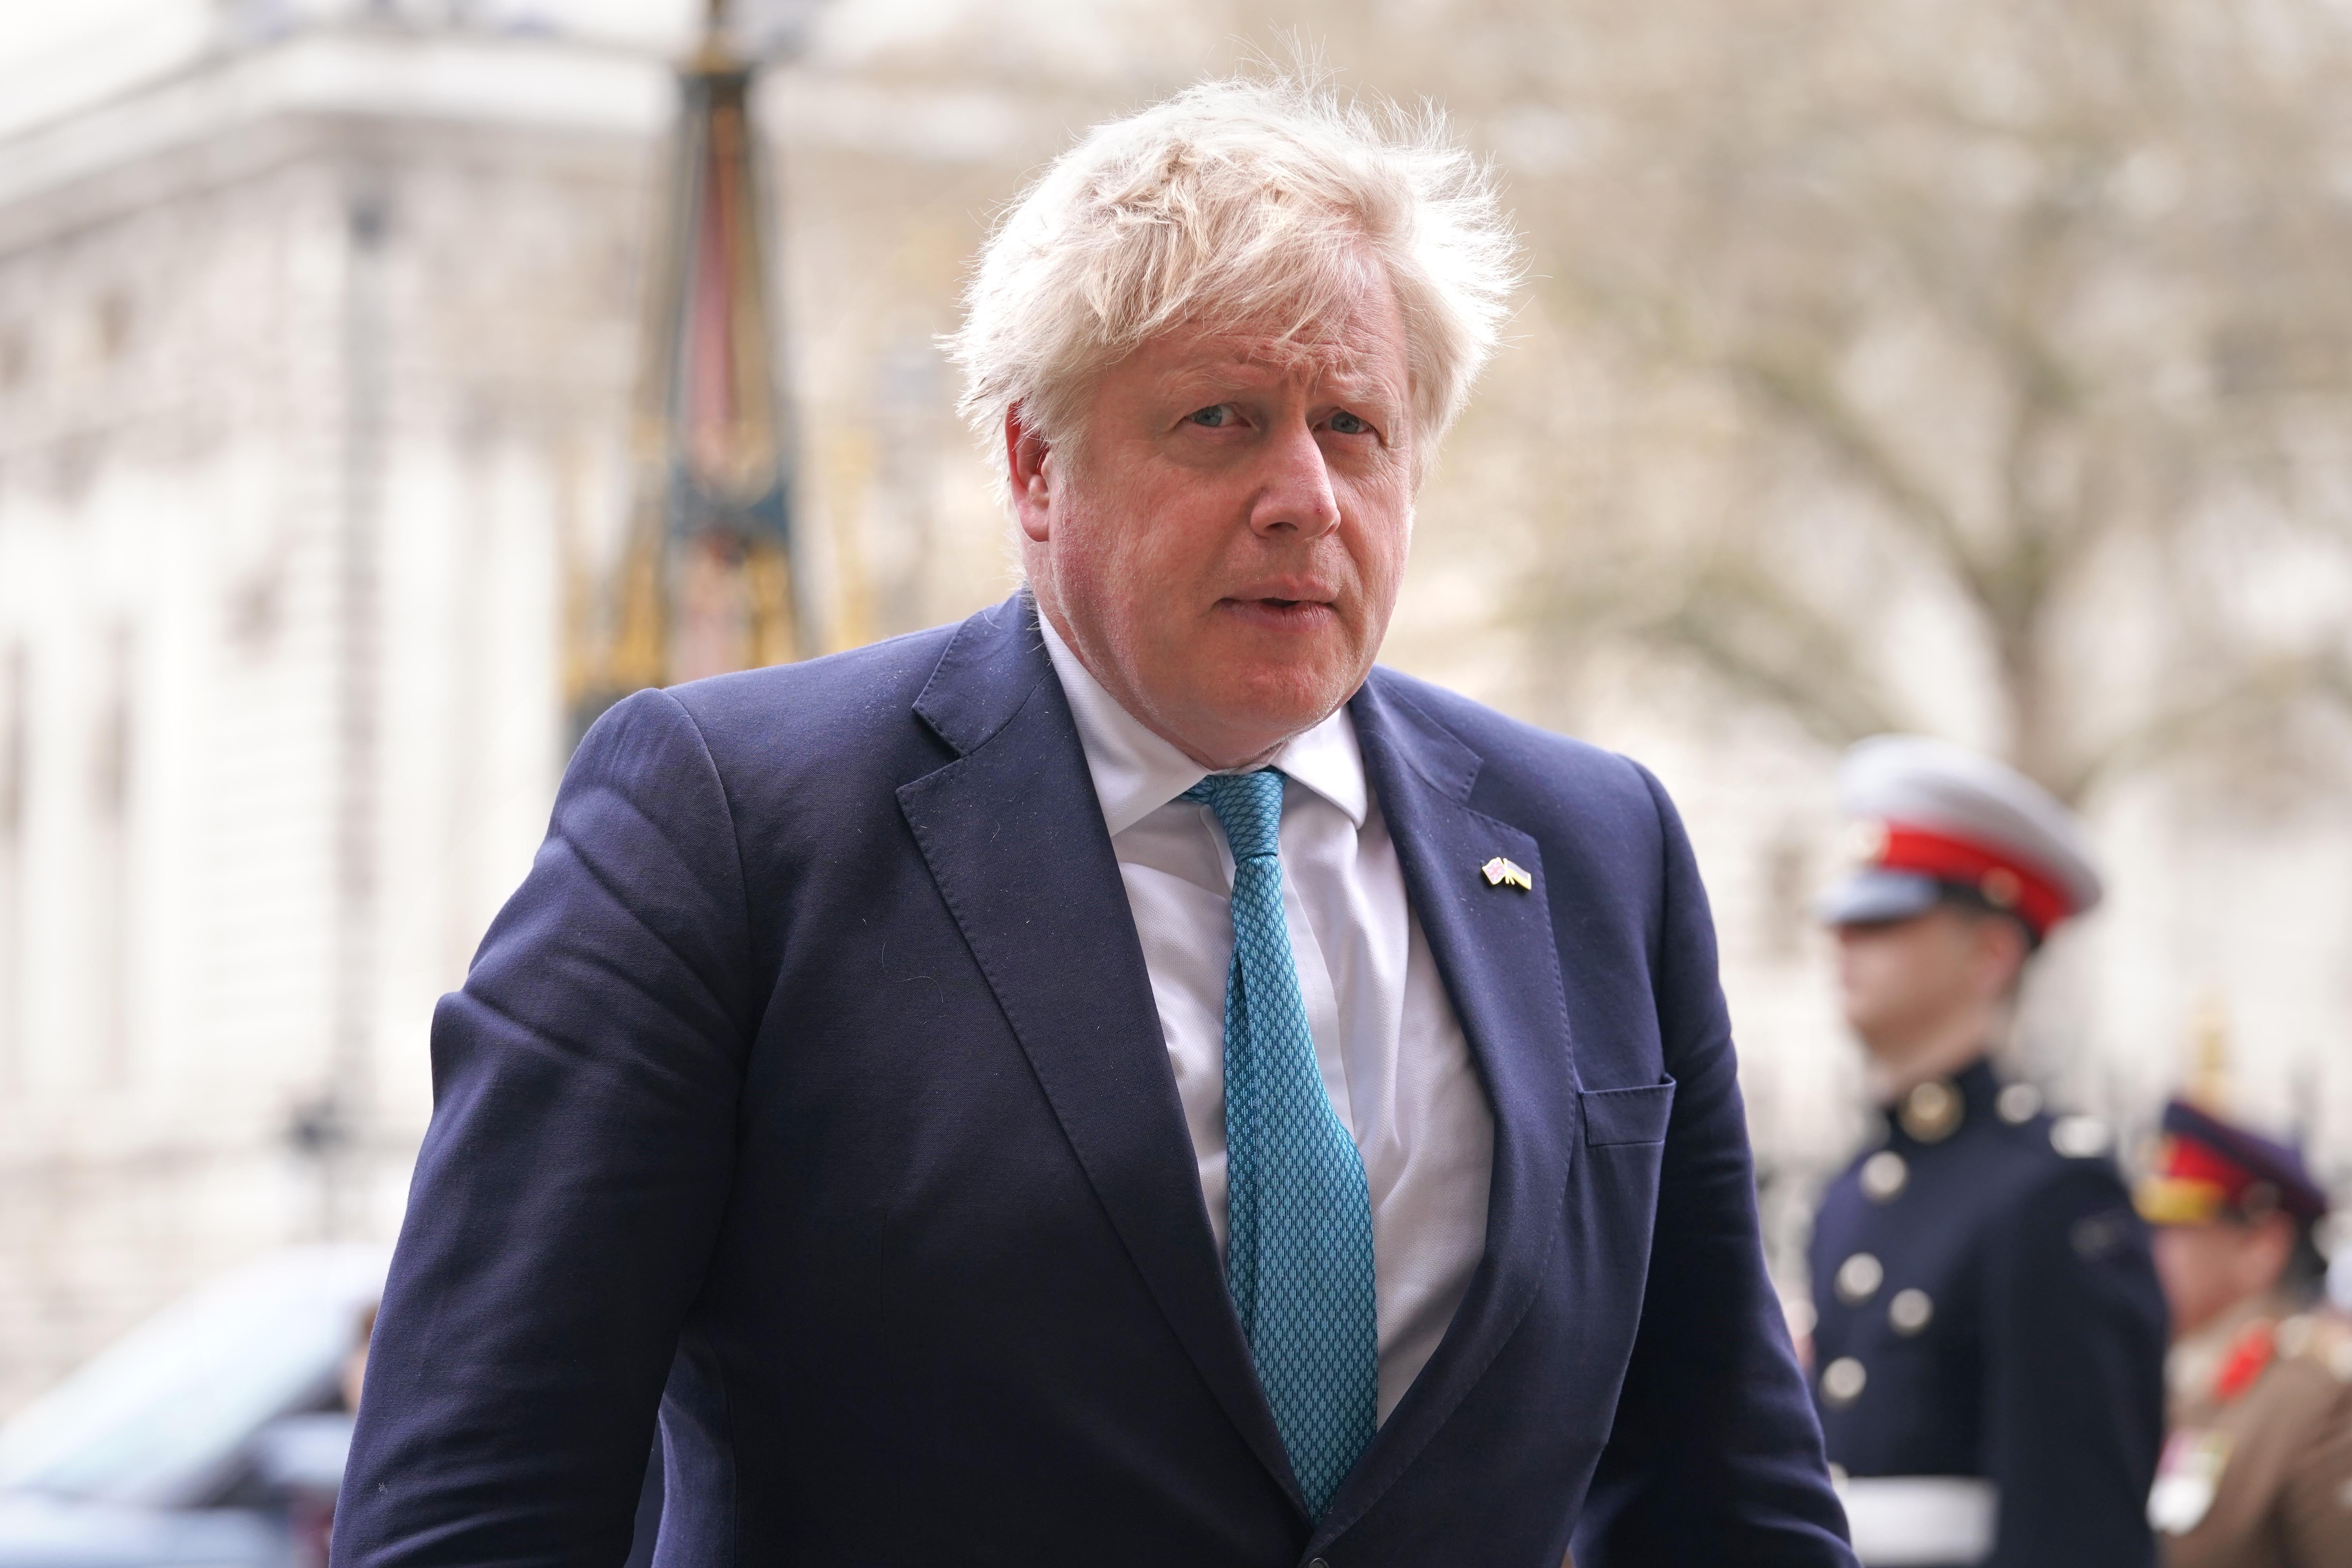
{"x":1280,"y":705}
{"x":1265,"y":660}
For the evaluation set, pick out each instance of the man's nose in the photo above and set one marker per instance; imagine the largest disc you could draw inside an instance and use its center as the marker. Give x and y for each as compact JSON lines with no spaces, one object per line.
{"x":1296,"y":494}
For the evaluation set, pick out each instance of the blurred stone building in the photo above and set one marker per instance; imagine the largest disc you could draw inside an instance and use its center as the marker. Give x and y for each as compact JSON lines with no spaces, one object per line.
{"x":319,"y":331}
{"x":311,"y":356}
{"x":319,"y":321}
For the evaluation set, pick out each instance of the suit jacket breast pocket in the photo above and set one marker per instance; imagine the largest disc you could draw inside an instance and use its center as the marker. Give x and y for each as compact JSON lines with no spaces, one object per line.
{"x":1621,"y":1116}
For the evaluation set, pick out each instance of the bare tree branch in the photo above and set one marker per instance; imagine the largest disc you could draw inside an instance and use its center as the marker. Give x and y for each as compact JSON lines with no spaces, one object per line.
{"x":2105,"y":242}
{"x":2254,"y":694}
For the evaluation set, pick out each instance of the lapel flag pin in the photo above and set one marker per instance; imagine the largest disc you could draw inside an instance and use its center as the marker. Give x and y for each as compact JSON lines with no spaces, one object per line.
{"x":1502,"y":873}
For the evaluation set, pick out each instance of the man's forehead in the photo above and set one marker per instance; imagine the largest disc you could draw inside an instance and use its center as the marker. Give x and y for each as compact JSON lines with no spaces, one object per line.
{"x":1247,"y":357}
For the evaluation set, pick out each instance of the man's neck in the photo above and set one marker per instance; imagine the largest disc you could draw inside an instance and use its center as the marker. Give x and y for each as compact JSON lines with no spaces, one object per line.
{"x":1896,"y":1067}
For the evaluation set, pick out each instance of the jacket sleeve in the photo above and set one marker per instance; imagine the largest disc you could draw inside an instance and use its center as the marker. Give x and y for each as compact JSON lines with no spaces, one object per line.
{"x":1714,"y":1456}
{"x":569,"y":1187}
{"x":2074,"y":1328}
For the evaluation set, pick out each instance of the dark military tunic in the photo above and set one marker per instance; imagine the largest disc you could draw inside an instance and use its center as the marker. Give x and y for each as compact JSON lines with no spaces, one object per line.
{"x":1988,"y":1309}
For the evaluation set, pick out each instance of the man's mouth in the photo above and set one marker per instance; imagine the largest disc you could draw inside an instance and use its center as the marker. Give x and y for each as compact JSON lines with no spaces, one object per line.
{"x":1277,"y":611}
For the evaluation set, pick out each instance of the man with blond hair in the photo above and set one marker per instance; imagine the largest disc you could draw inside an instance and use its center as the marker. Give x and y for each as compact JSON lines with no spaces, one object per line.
{"x":1121,"y":1078}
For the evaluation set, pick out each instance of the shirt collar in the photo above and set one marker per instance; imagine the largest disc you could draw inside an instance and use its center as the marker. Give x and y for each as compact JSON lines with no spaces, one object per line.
{"x":1136,"y":771}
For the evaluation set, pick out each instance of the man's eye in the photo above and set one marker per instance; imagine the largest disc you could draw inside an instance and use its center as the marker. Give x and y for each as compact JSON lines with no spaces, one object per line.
{"x":1347,"y":424}
{"x":1213,"y":417}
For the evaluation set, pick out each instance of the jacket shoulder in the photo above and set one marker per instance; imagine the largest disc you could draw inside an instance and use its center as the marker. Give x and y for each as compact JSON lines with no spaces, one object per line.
{"x":2302,"y":1403}
{"x":2065,"y":1211}
{"x":822,"y":718}
{"x":1520,"y":759}
{"x":2045,"y":1163}
{"x":836,"y":687}
{"x":2319,"y":1345}
{"x":2059,"y":1158}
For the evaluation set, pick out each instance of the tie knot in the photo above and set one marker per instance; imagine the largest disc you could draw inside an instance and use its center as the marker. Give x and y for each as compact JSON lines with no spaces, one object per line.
{"x":1249,"y":808}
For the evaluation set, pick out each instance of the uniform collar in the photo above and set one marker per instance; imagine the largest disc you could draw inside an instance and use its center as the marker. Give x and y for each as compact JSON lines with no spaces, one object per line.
{"x":2194,"y":1364}
{"x":1136,"y":771}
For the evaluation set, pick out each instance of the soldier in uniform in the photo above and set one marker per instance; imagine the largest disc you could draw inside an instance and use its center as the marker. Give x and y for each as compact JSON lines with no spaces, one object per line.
{"x":2258,"y":1470}
{"x":1989,"y":1342}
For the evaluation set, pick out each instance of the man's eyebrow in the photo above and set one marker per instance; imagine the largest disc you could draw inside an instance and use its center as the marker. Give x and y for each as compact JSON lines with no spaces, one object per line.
{"x":1347,"y":382}
{"x":1351,"y":382}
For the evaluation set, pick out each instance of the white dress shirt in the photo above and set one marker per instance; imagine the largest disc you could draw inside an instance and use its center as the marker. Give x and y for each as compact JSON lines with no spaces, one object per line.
{"x":1393,"y":1057}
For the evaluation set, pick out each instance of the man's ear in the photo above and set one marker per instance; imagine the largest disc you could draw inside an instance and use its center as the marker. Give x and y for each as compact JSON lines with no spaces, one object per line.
{"x":2274,"y":1237}
{"x":1025,"y":459}
{"x":2003,"y":949}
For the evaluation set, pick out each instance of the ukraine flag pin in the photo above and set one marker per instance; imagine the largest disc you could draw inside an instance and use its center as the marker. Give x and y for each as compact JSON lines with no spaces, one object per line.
{"x":1502,"y":873}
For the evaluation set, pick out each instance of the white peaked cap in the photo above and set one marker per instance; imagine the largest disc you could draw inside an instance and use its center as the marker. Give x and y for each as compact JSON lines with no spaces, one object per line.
{"x":1919,"y":783}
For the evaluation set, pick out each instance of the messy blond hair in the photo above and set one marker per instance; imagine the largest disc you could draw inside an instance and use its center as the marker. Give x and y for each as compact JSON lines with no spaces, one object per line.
{"x":1253,"y":201}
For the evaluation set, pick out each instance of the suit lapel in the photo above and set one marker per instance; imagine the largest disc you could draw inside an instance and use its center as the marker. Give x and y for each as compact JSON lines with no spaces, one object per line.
{"x":1014,"y":839}
{"x":1494,"y":948}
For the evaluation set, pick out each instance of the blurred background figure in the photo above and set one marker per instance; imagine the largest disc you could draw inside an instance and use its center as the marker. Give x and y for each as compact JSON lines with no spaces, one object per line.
{"x":1991,"y":1339}
{"x":2257,"y":1472}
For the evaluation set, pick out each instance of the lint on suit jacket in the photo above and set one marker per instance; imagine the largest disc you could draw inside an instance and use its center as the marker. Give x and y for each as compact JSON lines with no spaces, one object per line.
{"x":810,"y":1092}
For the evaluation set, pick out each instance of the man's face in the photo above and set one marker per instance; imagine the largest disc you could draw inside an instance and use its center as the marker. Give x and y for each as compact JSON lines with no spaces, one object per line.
{"x":1223,"y":545}
{"x":2205,"y":1269}
{"x":1898,"y":979}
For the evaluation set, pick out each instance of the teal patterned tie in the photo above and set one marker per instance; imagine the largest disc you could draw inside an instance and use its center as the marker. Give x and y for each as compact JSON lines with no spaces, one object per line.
{"x":1298,"y":1253}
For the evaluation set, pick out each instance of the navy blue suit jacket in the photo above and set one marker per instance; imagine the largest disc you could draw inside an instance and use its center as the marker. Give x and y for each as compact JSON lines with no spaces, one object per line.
{"x":810,"y":1089}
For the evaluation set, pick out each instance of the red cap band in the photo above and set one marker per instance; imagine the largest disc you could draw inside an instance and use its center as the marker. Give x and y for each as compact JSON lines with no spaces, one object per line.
{"x":2005,"y":882}
{"x":2193,"y":1160}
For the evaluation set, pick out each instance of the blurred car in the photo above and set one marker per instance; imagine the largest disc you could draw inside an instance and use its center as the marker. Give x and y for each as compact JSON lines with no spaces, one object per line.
{"x":213,"y":1436}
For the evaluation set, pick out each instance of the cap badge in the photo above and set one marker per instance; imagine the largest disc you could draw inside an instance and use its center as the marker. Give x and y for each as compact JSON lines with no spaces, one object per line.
{"x":2000,"y":886}
{"x":1502,"y":873}
{"x":1931,"y":1111}
{"x":1865,"y":841}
